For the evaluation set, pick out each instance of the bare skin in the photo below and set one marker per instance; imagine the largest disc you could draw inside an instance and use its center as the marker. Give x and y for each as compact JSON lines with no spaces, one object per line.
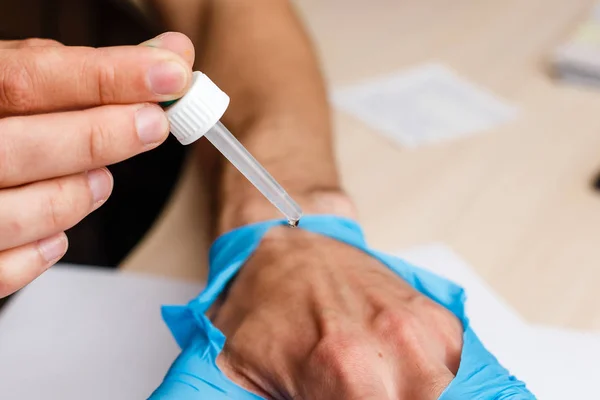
{"x":310,"y":318}
{"x":66,"y":113}
{"x":307,"y":317}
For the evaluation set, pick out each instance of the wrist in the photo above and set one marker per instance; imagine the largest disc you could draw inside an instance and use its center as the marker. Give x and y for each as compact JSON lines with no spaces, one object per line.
{"x":298,"y":155}
{"x":256,"y":209}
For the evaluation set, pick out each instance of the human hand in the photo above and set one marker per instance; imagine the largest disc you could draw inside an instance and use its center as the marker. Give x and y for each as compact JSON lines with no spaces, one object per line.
{"x":311,"y":318}
{"x":65,"y":113}
{"x":306,"y":314}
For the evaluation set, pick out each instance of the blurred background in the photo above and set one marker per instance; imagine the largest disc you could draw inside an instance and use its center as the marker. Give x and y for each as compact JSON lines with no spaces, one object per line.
{"x":474,"y":124}
{"x":470,"y":123}
{"x":509,"y":187}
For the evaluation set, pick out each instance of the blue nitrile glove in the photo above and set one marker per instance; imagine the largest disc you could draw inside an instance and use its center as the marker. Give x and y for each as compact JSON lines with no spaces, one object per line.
{"x":195,"y":375}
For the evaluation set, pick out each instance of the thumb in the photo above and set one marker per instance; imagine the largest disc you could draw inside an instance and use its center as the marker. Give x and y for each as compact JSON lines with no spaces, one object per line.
{"x":178,"y":43}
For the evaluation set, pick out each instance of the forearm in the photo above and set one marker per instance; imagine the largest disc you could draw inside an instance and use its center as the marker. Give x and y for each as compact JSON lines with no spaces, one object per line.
{"x":257,"y":52}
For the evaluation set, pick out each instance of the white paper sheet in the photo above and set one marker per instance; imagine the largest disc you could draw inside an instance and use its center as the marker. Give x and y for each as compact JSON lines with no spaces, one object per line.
{"x":89,"y":334}
{"x":423,"y":105}
{"x":556,"y":364}
{"x":86,"y":334}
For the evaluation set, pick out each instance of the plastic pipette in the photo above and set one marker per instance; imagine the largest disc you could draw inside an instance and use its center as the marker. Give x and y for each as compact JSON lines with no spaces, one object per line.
{"x":198,"y":113}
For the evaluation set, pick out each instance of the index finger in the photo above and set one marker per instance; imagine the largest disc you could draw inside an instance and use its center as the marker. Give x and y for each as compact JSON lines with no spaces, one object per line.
{"x":44,"y":79}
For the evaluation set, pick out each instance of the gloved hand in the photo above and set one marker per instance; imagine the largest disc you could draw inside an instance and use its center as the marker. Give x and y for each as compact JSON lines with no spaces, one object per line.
{"x":315,"y":314}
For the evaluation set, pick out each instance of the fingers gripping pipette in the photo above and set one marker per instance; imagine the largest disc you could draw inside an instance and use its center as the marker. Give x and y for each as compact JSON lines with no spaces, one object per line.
{"x":198,"y":113}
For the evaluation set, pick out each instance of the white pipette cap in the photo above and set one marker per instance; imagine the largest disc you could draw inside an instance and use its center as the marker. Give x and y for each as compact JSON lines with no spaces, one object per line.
{"x":198,"y":113}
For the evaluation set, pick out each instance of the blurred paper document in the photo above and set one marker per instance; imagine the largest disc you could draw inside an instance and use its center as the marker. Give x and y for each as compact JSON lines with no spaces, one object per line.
{"x":424,"y":105}
{"x":578,"y":59}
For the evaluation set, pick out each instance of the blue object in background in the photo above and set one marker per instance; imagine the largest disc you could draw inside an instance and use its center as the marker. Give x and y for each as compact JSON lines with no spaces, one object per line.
{"x":195,"y":375}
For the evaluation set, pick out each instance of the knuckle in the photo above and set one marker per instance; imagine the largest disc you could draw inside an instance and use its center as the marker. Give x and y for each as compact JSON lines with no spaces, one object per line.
{"x":400,"y":326}
{"x":395,"y":322}
{"x":16,"y":86}
{"x":62,"y":206}
{"x":103,"y":78}
{"x":56,"y":205}
{"x":338,"y":355}
{"x":12,"y":229}
{"x":437,"y":315}
{"x":106,"y":84}
{"x":344,"y":364}
{"x":99,"y":143}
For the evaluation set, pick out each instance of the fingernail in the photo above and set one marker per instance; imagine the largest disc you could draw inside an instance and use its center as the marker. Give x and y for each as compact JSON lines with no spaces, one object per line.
{"x":101,"y":184}
{"x":155,"y":41}
{"x":168,"y":77}
{"x":151,"y":124}
{"x":53,"y":247}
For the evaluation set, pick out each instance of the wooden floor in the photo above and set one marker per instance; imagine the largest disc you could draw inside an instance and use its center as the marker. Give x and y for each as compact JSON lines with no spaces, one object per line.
{"x":516,"y":202}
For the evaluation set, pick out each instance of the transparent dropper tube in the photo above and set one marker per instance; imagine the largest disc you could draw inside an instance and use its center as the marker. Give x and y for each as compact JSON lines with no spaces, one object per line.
{"x":198,"y":113}
{"x":237,"y":154}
